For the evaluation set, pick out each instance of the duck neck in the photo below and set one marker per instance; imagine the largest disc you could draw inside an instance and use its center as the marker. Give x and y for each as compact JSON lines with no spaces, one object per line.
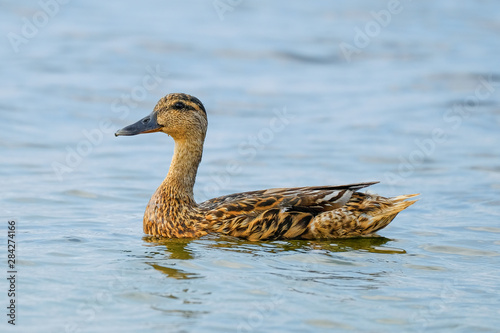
{"x":181,"y":176}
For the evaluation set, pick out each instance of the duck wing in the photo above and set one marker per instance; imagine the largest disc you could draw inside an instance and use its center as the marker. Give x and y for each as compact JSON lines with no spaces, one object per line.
{"x":274,"y":213}
{"x":302,"y":198}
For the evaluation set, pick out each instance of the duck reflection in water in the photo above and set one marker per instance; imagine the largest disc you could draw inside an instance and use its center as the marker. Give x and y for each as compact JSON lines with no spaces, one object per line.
{"x":179,"y":249}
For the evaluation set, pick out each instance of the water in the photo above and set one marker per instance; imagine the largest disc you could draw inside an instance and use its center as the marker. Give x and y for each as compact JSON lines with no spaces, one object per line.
{"x":413,"y":102}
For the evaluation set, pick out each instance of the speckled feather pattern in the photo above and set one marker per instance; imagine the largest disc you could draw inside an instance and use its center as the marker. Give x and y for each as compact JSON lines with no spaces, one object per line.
{"x":286,"y":213}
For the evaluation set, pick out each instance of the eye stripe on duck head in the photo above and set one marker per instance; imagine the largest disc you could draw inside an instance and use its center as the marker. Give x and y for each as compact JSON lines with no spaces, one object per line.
{"x":181,"y":101}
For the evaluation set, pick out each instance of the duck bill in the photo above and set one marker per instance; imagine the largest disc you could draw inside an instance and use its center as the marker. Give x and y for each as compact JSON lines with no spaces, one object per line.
{"x":147,"y":124}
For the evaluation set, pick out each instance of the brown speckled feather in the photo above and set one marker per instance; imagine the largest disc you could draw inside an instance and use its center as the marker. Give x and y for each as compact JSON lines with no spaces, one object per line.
{"x":307,"y":212}
{"x":283,"y":213}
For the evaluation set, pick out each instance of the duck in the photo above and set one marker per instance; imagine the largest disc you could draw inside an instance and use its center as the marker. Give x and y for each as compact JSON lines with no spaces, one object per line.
{"x":313,"y":212}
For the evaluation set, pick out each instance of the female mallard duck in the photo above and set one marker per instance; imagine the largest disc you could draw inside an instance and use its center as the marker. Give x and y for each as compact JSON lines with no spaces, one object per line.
{"x":302,"y":212}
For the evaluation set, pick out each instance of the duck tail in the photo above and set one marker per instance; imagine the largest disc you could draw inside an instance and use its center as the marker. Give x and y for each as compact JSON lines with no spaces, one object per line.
{"x":362,"y":216}
{"x":381,"y":217}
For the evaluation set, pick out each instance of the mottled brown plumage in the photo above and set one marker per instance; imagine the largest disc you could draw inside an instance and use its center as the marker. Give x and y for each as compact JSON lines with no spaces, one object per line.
{"x":285,"y":213}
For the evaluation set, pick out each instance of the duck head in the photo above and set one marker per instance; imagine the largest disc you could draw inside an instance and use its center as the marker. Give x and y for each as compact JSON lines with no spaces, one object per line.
{"x":179,"y":115}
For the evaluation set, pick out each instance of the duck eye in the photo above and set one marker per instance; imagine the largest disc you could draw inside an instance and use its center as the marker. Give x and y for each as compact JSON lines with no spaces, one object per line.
{"x":179,"y":105}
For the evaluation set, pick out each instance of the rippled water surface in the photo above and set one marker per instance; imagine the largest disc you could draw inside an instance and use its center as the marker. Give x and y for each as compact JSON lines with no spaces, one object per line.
{"x":297,"y":94}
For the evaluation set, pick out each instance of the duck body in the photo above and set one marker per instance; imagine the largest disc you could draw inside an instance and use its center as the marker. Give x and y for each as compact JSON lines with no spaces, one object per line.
{"x":285,"y":213}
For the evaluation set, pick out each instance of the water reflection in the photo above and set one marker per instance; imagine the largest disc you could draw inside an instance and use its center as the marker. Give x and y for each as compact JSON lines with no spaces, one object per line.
{"x":168,"y":254}
{"x":179,"y":248}
{"x":365,"y":244}
{"x":174,"y":272}
{"x":175,"y":248}
{"x":368,"y":244}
